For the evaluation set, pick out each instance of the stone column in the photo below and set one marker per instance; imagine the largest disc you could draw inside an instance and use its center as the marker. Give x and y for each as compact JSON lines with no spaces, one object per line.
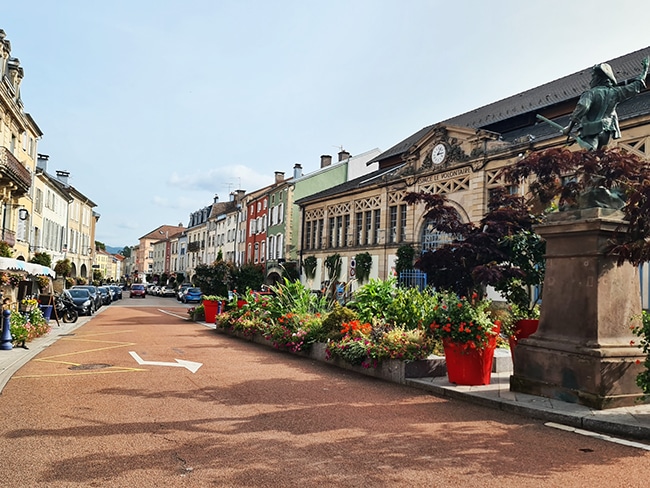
{"x":582,"y":351}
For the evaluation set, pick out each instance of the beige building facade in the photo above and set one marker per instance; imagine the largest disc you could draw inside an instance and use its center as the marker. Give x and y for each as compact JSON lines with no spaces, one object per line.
{"x":19,"y":137}
{"x":462,"y":158}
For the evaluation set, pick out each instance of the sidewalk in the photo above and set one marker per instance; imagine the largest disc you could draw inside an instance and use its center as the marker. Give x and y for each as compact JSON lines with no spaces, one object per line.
{"x":12,"y":360}
{"x":627,"y":422}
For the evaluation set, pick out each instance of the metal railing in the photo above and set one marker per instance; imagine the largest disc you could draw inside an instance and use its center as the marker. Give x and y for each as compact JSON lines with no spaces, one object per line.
{"x":413,"y":279}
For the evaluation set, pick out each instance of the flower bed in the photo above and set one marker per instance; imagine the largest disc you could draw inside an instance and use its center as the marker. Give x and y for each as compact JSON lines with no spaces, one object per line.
{"x":27,"y":326}
{"x":387,"y":332}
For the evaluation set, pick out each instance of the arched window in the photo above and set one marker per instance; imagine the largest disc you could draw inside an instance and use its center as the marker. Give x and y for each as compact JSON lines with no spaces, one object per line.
{"x":432,"y":238}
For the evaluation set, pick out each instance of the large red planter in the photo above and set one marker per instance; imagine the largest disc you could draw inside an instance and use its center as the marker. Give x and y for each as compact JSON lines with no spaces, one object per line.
{"x":210,"y":307}
{"x":523,"y":328}
{"x":466,"y":366}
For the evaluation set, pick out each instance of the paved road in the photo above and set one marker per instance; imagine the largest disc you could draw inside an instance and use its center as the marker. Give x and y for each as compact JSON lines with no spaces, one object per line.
{"x":85,"y":413}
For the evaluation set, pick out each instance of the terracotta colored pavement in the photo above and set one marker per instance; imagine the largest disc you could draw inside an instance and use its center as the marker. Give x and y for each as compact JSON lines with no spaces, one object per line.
{"x":85,"y":413}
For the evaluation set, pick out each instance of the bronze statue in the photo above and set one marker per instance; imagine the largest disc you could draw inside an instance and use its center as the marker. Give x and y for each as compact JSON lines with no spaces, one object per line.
{"x":595,"y":114}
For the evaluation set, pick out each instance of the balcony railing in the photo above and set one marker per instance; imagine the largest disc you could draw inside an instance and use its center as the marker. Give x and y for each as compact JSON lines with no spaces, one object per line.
{"x":11,"y":169}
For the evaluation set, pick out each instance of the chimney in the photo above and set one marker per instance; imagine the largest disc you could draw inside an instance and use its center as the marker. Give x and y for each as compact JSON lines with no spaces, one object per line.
{"x":41,"y":162}
{"x":63,"y":176}
{"x":215,"y":199}
{"x":237,"y":195}
{"x":279,"y":177}
{"x":343,"y":155}
{"x":325,"y":160}
{"x":297,"y":171}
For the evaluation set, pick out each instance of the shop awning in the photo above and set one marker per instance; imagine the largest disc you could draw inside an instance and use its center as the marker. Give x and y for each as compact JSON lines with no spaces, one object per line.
{"x":9,"y":264}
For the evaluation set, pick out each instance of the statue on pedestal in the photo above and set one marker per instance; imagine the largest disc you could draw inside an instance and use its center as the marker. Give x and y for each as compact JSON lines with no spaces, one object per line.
{"x":595,"y":114}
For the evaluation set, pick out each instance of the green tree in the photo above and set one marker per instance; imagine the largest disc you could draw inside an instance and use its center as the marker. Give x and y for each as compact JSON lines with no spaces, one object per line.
{"x":97,"y":275}
{"x":364,"y":264}
{"x":42,"y":258}
{"x":248,"y":276}
{"x":405,"y":257}
{"x":100,"y":246}
{"x":63,"y":267}
{"x":126,"y":252}
{"x":214,"y":279}
{"x":5,"y":250}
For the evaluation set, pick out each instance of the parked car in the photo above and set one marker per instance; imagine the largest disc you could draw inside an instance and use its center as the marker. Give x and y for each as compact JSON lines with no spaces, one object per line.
{"x":181,"y":291}
{"x":107,"y":297}
{"x":82,"y":300}
{"x":94,"y":292}
{"x":117,"y":290}
{"x":137,"y":290}
{"x":192,"y":295}
{"x":167,"y":291}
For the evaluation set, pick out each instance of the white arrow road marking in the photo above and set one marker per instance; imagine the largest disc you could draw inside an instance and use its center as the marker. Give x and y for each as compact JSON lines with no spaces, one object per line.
{"x":180,"y":363}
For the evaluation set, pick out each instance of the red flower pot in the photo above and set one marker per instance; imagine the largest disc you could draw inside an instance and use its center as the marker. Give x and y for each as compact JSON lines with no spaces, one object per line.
{"x":210,"y":310}
{"x":467,"y":366}
{"x":523,"y":328}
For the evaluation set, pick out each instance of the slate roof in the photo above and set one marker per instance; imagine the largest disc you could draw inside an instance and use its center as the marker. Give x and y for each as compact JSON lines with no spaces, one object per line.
{"x":535,"y":100}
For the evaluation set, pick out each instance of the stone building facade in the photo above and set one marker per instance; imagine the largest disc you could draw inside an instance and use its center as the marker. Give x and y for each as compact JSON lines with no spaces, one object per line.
{"x":461,"y":157}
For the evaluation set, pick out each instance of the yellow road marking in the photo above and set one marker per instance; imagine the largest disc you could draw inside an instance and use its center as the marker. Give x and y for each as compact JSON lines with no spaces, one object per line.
{"x":87,"y":350}
{"x":81,"y":339}
{"x":121,"y":370}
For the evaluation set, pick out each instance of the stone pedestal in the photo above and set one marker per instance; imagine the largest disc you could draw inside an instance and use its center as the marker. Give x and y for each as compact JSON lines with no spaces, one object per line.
{"x":582,"y":351}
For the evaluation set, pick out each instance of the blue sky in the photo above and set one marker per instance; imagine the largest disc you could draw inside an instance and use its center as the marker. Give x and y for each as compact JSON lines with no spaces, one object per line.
{"x":156,"y":106}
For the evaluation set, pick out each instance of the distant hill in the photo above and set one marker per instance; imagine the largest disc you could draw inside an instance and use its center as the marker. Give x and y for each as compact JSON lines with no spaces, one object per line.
{"x":113,"y":250}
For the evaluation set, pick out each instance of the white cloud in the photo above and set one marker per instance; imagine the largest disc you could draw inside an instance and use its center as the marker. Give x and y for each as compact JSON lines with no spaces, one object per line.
{"x":219,"y":180}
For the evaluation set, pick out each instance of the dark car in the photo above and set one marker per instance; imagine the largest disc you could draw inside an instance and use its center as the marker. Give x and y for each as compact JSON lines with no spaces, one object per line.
{"x":107,"y":296}
{"x":117,"y":290}
{"x":82,"y":300}
{"x":94,"y":292}
{"x":137,"y":290}
{"x":192,"y":295}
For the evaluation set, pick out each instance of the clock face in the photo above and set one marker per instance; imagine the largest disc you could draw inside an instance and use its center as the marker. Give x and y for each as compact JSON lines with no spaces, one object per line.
{"x":438,"y":154}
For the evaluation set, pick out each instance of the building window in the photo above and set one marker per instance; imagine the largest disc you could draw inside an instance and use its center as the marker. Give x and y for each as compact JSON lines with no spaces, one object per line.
{"x":359,"y":229}
{"x":432,"y":238}
{"x":377,"y":226}
{"x":308,"y":235}
{"x":319,"y":239}
{"x":368,"y":221}
{"x":346,"y":231}
{"x":392,"y":226}
{"x":332,"y":237}
{"x":402,"y":223}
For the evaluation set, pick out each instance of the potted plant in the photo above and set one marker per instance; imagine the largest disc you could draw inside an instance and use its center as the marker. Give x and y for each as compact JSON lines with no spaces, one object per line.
{"x":213,"y":305}
{"x":468,"y":335}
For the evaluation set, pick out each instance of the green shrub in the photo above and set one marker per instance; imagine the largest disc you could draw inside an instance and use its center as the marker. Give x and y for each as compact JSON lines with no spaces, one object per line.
{"x":331,"y":325}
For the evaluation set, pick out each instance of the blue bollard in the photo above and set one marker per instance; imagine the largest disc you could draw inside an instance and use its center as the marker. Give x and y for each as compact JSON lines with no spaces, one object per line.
{"x":6,"y":340}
